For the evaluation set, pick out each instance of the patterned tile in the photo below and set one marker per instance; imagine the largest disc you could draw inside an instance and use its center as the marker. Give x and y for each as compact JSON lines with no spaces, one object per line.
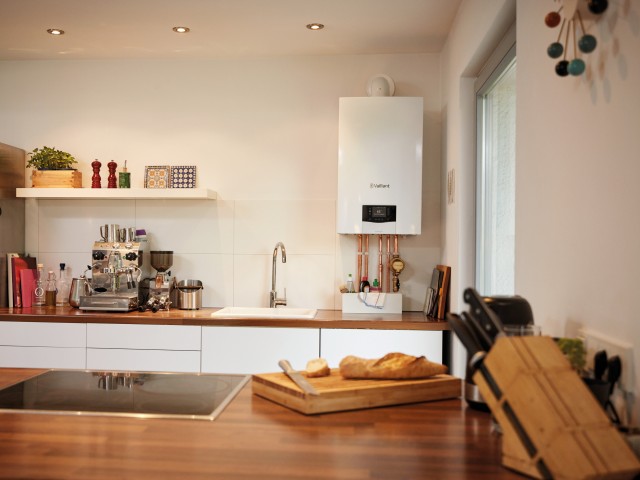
{"x":156,"y":176}
{"x":183,"y":176}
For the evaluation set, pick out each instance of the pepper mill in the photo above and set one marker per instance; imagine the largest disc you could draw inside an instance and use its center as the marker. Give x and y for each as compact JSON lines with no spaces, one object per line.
{"x":111,"y":180}
{"x":95,"y":179}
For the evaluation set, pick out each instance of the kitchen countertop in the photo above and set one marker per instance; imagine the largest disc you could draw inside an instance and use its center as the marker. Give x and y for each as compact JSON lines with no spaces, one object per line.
{"x":255,"y":438}
{"x":324,"y":319}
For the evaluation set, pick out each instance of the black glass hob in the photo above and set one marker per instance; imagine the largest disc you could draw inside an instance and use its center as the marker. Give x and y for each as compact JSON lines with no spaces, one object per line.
{"x":131,"y":394}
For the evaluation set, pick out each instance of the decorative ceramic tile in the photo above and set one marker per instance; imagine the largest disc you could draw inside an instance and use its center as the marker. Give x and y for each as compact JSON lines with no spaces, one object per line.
{"x":156,"y":177}
{"x":183,"y":176}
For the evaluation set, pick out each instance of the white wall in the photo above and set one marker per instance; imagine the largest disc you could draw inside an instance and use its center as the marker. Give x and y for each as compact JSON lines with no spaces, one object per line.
{"x":577,"y":224}
{"x":577,"y":195}
{"x":477,"y":29}
{"x":263,"y":134}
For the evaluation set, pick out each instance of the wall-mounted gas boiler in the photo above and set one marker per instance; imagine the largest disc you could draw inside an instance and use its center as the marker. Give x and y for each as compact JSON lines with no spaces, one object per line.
{"x":380,"y":165}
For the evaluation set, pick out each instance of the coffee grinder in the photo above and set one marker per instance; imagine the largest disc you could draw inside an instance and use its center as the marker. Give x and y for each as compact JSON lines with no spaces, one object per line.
{"x":161,"y":288}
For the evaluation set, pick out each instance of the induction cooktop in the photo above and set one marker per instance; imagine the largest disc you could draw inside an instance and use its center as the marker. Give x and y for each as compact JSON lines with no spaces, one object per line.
{"x":127,"y":394}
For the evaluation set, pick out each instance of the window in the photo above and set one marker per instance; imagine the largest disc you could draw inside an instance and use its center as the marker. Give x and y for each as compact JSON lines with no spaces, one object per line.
{"x":495,"y":200}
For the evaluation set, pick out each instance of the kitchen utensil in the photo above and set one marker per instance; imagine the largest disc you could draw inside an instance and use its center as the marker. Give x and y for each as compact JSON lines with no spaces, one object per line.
{"x":614,"y":370}
{"x":297,"y":378}
{"x":481,"y":313}
{"x":122,"y":235}
{"x":132,"y":233}
{"x":599,"y":364}
{"x":104,"y":232}
{"x":339,"y":394}
{"x":79,"y":287}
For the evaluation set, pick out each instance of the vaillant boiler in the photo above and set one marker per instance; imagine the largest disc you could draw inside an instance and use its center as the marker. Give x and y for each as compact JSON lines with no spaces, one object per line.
{"x":380,"y":165}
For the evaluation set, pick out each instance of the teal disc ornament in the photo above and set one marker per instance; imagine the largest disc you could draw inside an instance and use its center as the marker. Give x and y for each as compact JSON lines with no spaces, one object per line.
{"x":555,"y":50}
{"x":576,"y":67}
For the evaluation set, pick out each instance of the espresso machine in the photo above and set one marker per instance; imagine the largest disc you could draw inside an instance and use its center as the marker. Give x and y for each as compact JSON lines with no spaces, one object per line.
{"x":118,"y":265}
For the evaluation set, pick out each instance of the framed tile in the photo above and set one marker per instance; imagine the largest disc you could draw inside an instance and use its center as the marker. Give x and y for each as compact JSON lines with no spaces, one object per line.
{"x":156,"y":176}
{"x":183,"y":176}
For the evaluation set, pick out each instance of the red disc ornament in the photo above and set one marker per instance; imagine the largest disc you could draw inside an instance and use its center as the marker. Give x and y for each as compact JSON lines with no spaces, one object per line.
{"x":552,"y":19}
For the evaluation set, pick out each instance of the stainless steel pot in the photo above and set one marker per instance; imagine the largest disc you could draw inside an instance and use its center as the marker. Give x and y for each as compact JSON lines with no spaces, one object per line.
{"x":189,"y":294}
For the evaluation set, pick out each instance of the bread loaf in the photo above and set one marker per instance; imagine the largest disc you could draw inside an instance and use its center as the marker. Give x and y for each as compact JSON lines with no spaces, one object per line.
{"x":391,"y":366}
{"x":318,"y":367}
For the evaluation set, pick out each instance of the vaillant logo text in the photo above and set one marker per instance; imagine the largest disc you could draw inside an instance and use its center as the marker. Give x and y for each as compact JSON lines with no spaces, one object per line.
{"x":379,"y":185}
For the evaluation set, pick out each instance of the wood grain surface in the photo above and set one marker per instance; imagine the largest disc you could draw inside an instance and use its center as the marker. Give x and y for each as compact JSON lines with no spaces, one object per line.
{"x":255,"y":439}
{"x":336,"y":393}
{"x":324,"y":319}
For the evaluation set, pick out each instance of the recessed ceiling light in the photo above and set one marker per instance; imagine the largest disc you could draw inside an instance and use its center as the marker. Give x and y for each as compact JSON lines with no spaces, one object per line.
{"x":315,"y":26}
{"x":55,"y":31}
{"x":181,"y":29}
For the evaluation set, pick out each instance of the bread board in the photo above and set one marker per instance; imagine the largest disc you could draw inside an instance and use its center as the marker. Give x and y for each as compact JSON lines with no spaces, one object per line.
{"x":339,"y":394}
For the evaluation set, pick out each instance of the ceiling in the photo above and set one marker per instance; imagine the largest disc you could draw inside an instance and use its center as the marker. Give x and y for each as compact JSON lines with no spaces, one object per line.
{"x":101,"y":29}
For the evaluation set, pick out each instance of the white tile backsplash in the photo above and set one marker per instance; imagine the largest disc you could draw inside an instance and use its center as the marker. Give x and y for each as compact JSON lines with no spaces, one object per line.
{"x":228,"y":245}
{"x":304,"y":226}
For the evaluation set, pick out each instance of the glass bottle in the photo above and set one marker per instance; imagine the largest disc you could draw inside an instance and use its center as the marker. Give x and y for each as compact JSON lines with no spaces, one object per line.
{"x":50,"y":290}
{"x":350,"y":288}
{"x":62,"y":298}
{"x":38,"y":299}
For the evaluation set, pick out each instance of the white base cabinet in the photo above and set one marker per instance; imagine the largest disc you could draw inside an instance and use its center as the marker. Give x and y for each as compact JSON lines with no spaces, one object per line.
{"x":335,"y":344}
{"x":257,"y":349}
{"x":43,"y":345}
{"x":166,"y":348}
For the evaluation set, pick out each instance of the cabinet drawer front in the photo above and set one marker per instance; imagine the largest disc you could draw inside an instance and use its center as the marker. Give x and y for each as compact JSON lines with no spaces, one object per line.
{"x":143,"y":360}
{"x":42,"y":357}
{"x":43,"y":334}
{"x":337,"y":344}
{"x":153,"y":337}
{"x":256,"y":349}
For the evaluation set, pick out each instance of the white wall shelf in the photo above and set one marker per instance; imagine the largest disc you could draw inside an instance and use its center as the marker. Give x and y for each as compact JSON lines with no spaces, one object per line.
{"x":118,"y":193}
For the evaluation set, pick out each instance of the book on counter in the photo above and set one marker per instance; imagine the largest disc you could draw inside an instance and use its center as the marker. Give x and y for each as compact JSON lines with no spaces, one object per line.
{"x":19,"y":293}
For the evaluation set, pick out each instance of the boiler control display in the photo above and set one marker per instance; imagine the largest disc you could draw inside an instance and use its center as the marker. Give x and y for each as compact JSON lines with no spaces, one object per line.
{"x":379,"y":213}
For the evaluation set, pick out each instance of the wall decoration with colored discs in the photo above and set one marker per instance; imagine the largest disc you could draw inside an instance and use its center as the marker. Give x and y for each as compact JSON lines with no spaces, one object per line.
{"x":572,"y":19}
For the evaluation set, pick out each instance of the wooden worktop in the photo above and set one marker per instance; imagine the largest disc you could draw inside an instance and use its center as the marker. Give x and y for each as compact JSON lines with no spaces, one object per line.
{"x":324,"y":319}
{"x":255,"y":438}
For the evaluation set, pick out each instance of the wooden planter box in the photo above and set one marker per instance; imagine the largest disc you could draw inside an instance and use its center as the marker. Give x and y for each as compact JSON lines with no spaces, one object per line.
{"x":56,"y":179}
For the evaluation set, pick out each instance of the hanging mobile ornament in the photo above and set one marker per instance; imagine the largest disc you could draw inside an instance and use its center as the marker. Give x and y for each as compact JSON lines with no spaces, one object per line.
{"x":576,"y":66}
{"x":586,"y":44}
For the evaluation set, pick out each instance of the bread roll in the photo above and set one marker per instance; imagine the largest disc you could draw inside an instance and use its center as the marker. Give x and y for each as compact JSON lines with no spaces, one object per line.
{"x":318,"y":367}
{"x":391,"y":366}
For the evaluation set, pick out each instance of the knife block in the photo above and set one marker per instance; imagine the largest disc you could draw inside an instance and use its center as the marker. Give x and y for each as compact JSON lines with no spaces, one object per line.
{"x":553,"y":427}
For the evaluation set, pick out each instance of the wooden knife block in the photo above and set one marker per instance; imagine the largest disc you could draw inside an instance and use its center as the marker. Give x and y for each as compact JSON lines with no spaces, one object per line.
{"x":553,"y":427}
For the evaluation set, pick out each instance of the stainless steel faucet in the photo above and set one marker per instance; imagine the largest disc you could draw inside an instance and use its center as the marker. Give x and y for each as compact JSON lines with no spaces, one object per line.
{"x":274,"y":301}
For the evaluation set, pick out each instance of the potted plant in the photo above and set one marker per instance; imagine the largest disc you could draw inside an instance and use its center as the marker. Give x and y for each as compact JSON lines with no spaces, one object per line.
{"x":53,"y":168}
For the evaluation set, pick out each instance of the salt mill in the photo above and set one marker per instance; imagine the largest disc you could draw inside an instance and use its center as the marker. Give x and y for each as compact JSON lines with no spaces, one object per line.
{"x":111,"y":180}
{"x":95,"y":179}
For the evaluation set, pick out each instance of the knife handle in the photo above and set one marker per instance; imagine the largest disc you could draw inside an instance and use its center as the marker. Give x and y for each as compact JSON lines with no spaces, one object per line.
{"x":286,"y":366}
{"x":481,"y":312}
{"x":475,"y":352}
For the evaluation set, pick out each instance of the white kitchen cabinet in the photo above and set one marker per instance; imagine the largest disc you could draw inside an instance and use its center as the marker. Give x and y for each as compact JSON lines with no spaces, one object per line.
{"x":256,"y":349}
{"x":169,"y":348}
{"x":42,"y":345}
{"x":336,"y":344}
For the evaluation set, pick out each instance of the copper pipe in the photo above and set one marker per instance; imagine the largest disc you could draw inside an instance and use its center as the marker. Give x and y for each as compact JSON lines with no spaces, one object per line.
{"x":395,"y":244}
{"x":359,"y":268}
{"x":388,"y":281}
{"x":380,"y":261}
{"x":366,"y":256}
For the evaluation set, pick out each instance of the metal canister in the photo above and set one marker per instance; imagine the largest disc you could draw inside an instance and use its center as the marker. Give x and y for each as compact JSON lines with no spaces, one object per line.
{"x":189,"y":294}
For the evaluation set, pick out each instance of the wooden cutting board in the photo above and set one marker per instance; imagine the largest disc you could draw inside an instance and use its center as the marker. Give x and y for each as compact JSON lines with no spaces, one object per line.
{"x":337,"y":393}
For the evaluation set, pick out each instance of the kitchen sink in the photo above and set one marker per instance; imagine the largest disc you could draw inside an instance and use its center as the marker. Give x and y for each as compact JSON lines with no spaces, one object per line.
{"x":266,"y":313}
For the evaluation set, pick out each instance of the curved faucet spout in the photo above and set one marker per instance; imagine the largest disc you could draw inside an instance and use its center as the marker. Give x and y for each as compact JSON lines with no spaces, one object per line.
{"x":273,"y":294}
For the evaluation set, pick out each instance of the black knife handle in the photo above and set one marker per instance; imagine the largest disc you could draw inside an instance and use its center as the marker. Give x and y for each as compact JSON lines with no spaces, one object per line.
{"x":475,"y":351}
{"x":480,"y":311}
{"x":482,"y":338}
